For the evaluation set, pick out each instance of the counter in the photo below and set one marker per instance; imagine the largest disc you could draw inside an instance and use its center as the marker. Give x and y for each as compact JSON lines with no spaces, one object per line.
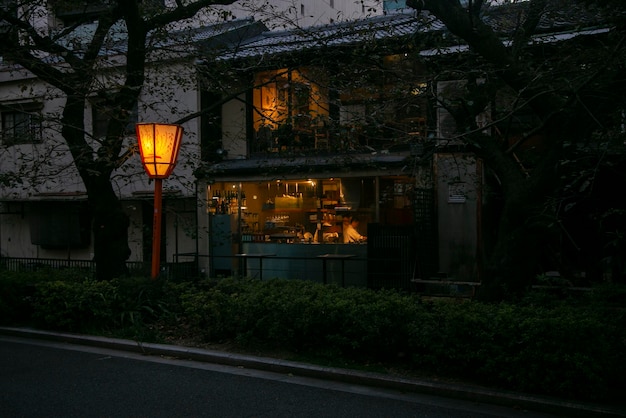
{"x":303,"y":262}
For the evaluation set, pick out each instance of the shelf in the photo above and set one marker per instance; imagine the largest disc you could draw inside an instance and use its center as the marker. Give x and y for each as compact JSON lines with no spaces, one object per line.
{"x":287,"y":210}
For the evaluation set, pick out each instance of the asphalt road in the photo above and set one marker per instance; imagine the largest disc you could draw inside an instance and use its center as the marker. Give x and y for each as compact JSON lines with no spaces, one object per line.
{"x":53,"y":379}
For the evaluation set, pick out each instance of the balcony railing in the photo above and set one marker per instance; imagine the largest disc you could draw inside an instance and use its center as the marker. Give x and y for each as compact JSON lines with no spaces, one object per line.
{"x":287,"y":139}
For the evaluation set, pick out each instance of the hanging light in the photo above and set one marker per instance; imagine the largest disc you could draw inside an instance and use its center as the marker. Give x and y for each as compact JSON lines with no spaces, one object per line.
{"x":159,"y":145}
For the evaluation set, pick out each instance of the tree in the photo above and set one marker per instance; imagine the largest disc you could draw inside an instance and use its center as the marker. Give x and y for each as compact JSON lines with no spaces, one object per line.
{"x":571,"y":97}
{"x":73,"y":60}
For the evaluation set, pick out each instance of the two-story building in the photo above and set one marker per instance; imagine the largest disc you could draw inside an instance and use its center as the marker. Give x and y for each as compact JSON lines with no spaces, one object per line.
{"x":346,"y":121}
{"x":331,"y":124}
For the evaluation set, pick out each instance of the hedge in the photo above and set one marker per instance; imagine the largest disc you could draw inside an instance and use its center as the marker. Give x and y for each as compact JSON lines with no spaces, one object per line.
{"x":558,"y":348}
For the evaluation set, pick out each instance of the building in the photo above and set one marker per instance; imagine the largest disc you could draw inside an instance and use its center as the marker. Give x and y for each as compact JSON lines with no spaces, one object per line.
{"x":45,"y":213}
{"x":302,"y":145}
{"x":315,"y":126}
{"x":289,"y":14}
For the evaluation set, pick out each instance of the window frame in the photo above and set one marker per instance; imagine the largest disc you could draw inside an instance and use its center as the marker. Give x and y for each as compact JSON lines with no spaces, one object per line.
{"x":101,"y":113}
{"x":22,"y":132}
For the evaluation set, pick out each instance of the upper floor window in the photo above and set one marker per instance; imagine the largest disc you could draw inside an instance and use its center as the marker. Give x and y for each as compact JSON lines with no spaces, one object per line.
{"x":362,"y":107}
{"x":393,"y":4}
{"x":289,"y":106}
{"x":102,"y":114}
{"x":21,"y":125}
{"x":75,"y":11}
{"x":387,"y":104}
{"x":8,"y":7}
{"x":289,"y":96}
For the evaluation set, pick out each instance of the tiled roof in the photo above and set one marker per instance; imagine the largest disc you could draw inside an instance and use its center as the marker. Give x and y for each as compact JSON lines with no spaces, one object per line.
{"x":222,"y":34}
{"x":378,"y":28}
{"x":561,"y":16}
{"x":245,"y":38}
{"x":215,"y":35}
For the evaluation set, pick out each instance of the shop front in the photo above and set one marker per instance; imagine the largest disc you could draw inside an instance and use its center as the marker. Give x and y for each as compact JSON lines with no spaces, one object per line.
{"x":310,"y":228}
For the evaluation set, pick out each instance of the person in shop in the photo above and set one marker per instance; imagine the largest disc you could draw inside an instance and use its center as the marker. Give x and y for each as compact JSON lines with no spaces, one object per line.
{"x":329,"y":233}
{"x":350,"y":231}
{"x":265,"y":139}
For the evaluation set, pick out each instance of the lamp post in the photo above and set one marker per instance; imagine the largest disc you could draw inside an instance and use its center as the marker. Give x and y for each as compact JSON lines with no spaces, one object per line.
{"x":158,"y":145}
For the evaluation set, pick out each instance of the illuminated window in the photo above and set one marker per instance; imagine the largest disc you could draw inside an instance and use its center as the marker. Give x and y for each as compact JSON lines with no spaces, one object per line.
{"x":290,"y":97}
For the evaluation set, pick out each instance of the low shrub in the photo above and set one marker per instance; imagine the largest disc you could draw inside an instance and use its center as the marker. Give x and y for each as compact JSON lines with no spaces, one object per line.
{"x":562,"y":350}
{"x":16,"y":290}
{"x":69,"y":300}
{"x":87,"y":305}
{"x":557,"y":348}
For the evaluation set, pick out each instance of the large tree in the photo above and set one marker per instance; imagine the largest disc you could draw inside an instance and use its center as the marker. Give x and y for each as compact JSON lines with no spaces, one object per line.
{"x":571,"y":94}
{"x":74,"y":68}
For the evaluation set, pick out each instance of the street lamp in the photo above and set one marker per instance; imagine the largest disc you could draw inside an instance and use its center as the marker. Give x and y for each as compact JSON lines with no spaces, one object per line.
{"x":158,"y":145}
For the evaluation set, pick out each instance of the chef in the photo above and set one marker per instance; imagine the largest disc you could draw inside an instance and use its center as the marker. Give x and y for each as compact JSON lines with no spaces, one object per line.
{"x":351,"y":233}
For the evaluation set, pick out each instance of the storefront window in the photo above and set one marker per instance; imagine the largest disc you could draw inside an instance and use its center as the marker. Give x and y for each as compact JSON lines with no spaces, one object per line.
{"x":311,"y":210}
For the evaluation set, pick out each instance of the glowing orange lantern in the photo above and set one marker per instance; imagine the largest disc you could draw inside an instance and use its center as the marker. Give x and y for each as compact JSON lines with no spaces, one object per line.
{"x":159,"y":145}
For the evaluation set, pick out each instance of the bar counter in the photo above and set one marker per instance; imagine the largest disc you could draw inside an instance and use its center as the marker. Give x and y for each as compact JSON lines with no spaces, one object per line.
{"x":306,"y":261}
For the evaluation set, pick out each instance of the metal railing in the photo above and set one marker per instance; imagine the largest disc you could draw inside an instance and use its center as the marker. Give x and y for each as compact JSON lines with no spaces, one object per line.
{"x":34,"y":264}
{"x":89,"y":266}
{"x":347,"y":272}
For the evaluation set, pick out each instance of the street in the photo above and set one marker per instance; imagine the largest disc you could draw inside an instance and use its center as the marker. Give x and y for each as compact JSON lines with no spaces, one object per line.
{"x":50,"y":379}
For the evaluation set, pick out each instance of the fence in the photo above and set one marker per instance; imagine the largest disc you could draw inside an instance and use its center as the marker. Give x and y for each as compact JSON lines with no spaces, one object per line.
{"x":88,"y":266}
{"x":388,"y":269}
{"x":34,"y":264}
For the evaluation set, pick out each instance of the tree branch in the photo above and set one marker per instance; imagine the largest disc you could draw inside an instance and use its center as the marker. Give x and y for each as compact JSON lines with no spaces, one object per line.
{"x":485,"y":42}
{"x":536,"y":9}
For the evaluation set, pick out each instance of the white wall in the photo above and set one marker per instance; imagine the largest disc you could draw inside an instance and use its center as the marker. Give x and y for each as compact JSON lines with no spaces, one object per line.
{"x":290,"y":13}
{"x":234,"y":128}
{"x":45,"y":170}
{"x":277,"y":14}
{"x":459,"y":179}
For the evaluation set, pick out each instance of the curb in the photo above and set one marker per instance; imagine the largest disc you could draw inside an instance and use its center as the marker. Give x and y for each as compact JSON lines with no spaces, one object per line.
{"x":458,"y":391}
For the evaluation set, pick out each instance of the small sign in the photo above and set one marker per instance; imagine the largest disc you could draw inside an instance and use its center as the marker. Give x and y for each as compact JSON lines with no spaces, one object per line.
{"x":456,"y":193}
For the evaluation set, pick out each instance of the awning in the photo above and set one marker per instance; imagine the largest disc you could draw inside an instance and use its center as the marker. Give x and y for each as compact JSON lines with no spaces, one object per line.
{"x":349,"y":165}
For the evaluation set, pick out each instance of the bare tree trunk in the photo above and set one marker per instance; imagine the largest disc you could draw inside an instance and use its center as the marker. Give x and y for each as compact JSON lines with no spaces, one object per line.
{"x":514,"y":260}
{"x":524,"y":228}
{"x":110,"y":231}
{"x":110,"y":222}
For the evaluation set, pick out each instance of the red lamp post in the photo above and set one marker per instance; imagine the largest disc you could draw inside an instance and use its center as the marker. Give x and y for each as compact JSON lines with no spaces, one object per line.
{"x":158,"y":145}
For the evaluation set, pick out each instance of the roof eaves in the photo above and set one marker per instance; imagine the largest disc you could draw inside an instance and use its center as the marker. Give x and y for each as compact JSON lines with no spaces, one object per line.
{"x":340,"y":34}
{"x":310,"y":164}
{"x":538,"y":39}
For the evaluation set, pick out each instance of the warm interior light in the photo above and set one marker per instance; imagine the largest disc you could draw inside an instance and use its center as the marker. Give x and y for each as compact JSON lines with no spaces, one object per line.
{"x":159,"y":145}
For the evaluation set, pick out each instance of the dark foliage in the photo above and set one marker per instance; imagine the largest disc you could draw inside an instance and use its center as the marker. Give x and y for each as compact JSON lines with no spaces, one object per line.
{"x":549,"y":343}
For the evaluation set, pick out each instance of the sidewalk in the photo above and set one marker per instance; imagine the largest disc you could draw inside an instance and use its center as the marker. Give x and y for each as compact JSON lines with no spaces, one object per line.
{"x":458,"y":391}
